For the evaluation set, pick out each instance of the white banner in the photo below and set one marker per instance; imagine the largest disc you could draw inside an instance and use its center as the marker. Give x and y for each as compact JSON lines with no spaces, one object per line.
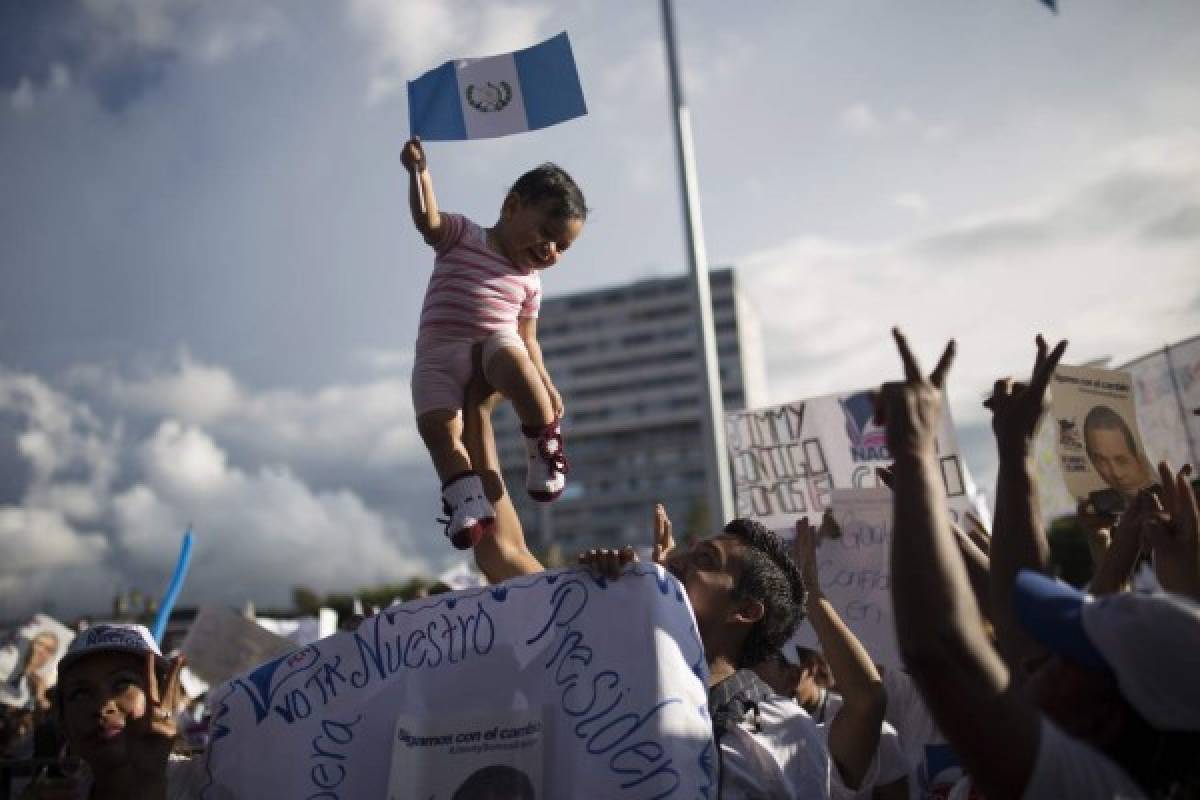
{"x":561,"y":682}
{"x":1167,"y":388}
{"x":788,"y":459}
{"x":856,"y":572}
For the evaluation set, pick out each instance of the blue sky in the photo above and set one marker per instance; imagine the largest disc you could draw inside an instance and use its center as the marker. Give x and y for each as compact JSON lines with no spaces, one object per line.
{"x":211,"y":285}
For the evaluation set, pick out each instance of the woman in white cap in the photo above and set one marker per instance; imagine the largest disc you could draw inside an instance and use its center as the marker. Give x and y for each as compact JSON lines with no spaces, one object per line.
{"x":114,"y":701}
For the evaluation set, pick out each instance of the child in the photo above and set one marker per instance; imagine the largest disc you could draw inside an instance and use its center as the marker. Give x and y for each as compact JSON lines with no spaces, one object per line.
{"x":485,"y":289}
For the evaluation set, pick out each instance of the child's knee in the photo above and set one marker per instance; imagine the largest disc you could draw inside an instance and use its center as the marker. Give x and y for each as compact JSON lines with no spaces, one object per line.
{"x":439,"y":428}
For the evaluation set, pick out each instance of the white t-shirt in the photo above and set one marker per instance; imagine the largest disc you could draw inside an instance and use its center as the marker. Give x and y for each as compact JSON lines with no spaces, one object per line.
{"x":774,"y":753}
{"x":934,"y":767}
{"x":1067,"y":767}
{"x":888,"y":765}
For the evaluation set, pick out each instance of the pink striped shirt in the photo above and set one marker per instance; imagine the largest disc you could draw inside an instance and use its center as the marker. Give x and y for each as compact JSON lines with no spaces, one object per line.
{"x":474,"y":291}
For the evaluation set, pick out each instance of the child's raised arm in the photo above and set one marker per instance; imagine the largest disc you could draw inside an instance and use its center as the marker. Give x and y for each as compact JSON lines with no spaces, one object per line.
{"x":428,"y":221}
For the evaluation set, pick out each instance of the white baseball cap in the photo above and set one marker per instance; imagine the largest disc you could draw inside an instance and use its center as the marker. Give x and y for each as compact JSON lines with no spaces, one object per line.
{"x":1149,"y":642}
{"x":125,"y":638}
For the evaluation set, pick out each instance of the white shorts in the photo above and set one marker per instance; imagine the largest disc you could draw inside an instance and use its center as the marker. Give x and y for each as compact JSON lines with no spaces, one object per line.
{"x":442,"y":368}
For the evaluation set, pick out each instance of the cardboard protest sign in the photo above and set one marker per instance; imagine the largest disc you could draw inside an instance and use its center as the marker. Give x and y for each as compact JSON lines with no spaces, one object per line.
{"x":39,"y":645}
{"x":579,"y":686}
{"x":856,"y":573}
{"x":788,"y":459}
{"x":221,"y":643}
{"x":1167,"y":389}
{"x":1096,"y":433}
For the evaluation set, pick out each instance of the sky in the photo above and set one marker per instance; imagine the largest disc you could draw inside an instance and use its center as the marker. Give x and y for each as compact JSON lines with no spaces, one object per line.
{"x":211,"y":283}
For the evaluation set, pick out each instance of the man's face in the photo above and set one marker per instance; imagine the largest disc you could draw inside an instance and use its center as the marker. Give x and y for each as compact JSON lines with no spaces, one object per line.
{"x":532,"y":237}
{"x":1080,"y":701}
{"x":101,"y":696}
{"x":708,"y":571}
{"x":1118,"y":466}
{"x":42,"y":650}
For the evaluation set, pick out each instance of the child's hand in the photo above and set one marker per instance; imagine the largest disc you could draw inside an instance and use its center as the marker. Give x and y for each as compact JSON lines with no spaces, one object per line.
{"x":556,"y":401}
{"x":413,"y":155}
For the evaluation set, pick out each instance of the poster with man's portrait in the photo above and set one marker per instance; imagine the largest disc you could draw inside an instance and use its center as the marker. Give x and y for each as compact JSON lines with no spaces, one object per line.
{"x":1099,"y":449}
{"x":35,"y":650}
{"x":483,"y":756}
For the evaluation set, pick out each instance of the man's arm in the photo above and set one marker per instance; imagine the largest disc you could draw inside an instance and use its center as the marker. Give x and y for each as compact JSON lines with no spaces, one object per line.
{"x":527,"y":328}
{"x":420,"y":184}
{"x":854,"y":732}
{"x":1019,"y":539}
{"x":963,"y":681}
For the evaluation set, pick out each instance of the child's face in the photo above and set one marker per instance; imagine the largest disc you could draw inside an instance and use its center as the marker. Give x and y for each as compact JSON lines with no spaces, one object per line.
{"x":101,"y":696}
{"x":533,"y":238}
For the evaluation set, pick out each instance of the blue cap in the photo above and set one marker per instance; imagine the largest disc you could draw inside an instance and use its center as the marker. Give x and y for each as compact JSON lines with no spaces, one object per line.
{"x":1052,"y":613}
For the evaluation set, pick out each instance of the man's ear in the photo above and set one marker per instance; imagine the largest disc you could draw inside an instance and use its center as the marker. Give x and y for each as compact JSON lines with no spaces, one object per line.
{"x":512,"y":201}
{"x":749,"y":611}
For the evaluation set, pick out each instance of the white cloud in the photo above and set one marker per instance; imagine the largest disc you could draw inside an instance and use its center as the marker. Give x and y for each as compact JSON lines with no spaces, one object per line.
{"x":912,"y":201}
{"x":22,"y":97}
{"x":407,"y":38}
{"x":858,"y":119}
{"x":1079,"y":265}
{"x":260,"y":529}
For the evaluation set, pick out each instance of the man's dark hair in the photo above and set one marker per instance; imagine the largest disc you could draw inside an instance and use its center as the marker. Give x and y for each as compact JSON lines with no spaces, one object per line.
{"x":812,"y":660}
{"x":770,"y":576}
{"x":1104,"y":418}
{"x":496,"y":782}
{"x":549,"y":185}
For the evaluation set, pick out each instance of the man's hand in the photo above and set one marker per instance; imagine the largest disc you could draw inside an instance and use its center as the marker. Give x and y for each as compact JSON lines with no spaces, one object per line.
{"x":1175,"y":536}
{"x":1018,"y":408}
{"x":556,"y":401}
{"x":664,"y":542}
{"x":608,"y":563}
{"x":413,"y":156}
{"x":912,"y":410}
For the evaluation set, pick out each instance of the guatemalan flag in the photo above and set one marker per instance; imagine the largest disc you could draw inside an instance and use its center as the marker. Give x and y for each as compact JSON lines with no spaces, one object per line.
{"x":478,"y":98}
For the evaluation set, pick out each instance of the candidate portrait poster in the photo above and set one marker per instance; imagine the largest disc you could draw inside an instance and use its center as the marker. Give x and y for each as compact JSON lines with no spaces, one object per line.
{"x":1096,"y":433}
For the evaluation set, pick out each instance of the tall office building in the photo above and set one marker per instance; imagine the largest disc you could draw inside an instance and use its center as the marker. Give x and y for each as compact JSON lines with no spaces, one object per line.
{"x":626,"y":361}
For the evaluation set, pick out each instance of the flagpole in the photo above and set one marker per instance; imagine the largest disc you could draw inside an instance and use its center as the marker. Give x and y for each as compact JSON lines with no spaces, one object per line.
{"x":719,"y":488}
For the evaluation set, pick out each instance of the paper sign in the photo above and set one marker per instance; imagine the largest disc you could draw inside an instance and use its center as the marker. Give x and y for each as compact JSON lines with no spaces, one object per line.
{"x":221,"y":643}
{"x":788,"y":459}
{"x":585,"y":687}
{"x":1096,"y":432}
{"x":1167,"y":389}
{"x":856,"y":573}
{"x":51,"y":638}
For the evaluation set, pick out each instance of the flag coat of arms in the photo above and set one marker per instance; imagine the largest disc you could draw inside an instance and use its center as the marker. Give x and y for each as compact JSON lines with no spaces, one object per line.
{"x":480,"y":98}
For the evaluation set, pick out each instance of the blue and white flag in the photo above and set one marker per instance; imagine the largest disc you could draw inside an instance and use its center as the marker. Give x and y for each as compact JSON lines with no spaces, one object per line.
{"x":480,"y":98}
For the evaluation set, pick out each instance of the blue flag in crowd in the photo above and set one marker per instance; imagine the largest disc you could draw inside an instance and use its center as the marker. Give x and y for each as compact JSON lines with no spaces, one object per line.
{"x":478,"y":98}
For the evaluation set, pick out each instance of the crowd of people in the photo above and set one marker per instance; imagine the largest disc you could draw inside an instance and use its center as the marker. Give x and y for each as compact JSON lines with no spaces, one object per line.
{"x":1014,"y":684}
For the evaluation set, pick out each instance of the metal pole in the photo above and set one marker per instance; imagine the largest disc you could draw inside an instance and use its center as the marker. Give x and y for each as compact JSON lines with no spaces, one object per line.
{"x":719,"y":491}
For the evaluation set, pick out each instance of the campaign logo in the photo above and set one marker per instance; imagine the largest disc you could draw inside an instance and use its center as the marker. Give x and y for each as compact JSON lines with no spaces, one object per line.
{"x":1068,"y":435}
{"x":265,"y":681}
{"x":868,"y":441}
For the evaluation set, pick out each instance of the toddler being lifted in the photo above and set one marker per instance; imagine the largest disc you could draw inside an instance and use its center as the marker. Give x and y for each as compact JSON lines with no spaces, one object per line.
{"x":486,"y":289}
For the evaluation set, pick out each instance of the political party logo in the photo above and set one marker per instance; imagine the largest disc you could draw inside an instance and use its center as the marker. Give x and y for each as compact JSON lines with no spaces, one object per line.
{"x":121,"y":637}
{"x":489,"y":97}
{"x":1068,"y":435}
{"x":265,"y":683}
{"x":868,"y":441}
